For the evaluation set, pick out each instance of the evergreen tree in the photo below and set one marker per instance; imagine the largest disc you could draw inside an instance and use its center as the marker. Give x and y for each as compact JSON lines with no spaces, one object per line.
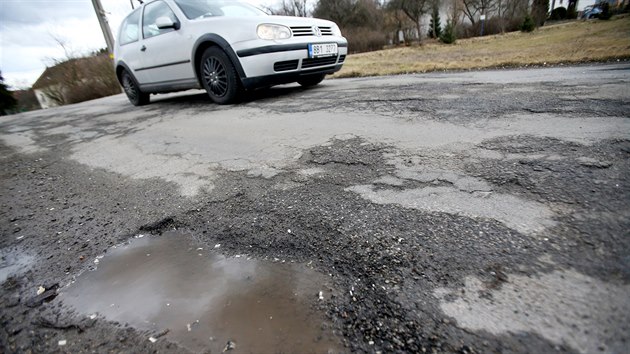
{"x":540,"y":9}
{"x":435,"y":27}
{"x":7,"y":102}
{"x":572,"y":9}
{"x":528,"y":24}
{"x":448,"y":36}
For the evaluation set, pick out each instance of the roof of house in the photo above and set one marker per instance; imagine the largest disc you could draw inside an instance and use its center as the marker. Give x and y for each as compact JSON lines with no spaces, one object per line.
{"x":55,"y":74}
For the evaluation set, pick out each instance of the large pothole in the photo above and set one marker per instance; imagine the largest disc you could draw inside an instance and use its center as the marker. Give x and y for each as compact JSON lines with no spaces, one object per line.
{"x":170,"y":286}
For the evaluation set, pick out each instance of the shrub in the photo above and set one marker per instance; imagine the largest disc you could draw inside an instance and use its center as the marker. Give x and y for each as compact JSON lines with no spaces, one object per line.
{"x":364,"y":39}
{"x":559,"y":13}
{"x":448,"y":35}
{"x":606,"y":13}
{"x":494,"y":25}
{"x":7,"y":101}
{"x":528,"y":24}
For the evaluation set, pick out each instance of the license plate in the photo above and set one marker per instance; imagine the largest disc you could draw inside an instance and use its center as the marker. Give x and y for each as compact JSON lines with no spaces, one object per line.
{"x":322,"y":50}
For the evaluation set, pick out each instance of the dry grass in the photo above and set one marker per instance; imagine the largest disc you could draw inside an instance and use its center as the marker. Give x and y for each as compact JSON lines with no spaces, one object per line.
{"x":571,"y":42}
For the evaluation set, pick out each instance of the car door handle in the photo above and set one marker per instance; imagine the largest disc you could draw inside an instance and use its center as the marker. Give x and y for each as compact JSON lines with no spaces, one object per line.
{"x":143,"y":48}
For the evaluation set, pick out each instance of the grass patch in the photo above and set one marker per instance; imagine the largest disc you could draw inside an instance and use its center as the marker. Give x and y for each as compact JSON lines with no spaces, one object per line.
{"x":572,"y":42}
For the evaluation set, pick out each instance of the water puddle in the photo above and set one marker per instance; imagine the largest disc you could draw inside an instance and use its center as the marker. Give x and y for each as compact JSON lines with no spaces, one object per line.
{"x":13,"y":262}
{"x":206,"y":300}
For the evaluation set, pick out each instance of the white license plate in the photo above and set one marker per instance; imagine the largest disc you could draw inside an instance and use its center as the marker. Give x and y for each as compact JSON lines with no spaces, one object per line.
{"x":322,"y":50}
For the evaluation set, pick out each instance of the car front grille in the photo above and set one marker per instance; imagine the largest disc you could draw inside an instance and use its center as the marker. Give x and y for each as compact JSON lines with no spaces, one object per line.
{"x":301,"y":31}
{"x":313,"y":62}
{"x":286,"y":65}
{"x":342,"y":58}
{"x":326,"y":31}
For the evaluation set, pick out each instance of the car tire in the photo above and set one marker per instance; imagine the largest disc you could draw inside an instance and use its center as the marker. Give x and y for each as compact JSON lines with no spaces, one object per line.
{"x":132,"y":90}
{"x":218,"y":76}
{"x":311,"y":80}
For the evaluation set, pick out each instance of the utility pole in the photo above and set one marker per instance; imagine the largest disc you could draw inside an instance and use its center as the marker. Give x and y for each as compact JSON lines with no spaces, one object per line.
{"x":102,"y":20}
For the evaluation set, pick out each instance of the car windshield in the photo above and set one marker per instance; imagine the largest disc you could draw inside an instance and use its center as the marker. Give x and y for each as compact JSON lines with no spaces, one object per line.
{"x":194,"y":9}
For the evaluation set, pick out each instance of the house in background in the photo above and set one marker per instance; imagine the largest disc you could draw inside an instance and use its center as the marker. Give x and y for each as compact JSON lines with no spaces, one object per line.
{"x":49,"y":87}
{"x":26,"y":100}
{"x":44,"y":101}
{"x":76,"y":80}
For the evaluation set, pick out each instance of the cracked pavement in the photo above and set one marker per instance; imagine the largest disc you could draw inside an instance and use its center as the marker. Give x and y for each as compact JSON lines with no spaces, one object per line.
{"x":453,"y":212}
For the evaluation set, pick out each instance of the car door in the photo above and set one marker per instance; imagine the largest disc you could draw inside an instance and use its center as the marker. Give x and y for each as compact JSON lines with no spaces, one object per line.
{"x":166,"y":51}
{"x":130,"y":44}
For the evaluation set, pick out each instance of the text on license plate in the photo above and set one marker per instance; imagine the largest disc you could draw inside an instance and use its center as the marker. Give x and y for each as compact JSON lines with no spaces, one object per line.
{"x":322,"y":50}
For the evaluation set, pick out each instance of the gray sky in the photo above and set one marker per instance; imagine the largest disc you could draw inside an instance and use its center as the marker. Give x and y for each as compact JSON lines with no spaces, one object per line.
{"x":27,"y":28}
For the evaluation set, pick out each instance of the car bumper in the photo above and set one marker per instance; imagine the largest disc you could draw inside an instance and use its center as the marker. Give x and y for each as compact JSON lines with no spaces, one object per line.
{"x":285,"y":78}
{"x":283,"y":63}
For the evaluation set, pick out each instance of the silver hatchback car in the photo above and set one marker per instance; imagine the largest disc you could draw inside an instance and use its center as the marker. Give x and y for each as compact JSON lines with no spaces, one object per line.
{"x":224,"y":47}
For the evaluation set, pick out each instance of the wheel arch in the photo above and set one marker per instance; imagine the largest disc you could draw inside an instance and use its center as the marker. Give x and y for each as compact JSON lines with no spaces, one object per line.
{"x":209,"y":40}
{"x":120,"y":67}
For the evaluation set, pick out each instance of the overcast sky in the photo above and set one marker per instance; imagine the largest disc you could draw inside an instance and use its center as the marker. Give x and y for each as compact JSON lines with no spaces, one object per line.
{"x":27,"y":28}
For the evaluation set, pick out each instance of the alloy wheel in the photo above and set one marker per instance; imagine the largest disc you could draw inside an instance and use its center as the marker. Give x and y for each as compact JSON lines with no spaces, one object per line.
{"x":130,"y":88}
{"x":215,"y":76}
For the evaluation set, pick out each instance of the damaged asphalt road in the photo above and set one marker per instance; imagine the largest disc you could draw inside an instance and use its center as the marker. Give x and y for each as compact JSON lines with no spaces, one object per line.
{"x":473,"y":212}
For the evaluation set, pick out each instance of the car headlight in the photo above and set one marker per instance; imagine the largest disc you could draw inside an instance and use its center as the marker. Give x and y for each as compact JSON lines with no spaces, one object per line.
{"x":336,"y":31}
{"x":269,"y":31}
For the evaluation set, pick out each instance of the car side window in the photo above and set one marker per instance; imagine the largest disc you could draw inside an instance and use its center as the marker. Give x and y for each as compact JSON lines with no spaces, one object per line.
{"x":129,"y":31}
{"x":152,"y":12}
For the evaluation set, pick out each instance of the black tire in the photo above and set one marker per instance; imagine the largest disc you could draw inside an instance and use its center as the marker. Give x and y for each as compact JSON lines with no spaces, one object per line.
{"x":218,"y":76}
{"x":311,"y":80}
{"x":132,"y":90}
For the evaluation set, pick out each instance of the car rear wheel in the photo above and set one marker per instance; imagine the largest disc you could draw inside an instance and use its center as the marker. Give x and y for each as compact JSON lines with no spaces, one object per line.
{"x":219,"y":77}
{"x":311,"y":80}
{"x":132,"y":90}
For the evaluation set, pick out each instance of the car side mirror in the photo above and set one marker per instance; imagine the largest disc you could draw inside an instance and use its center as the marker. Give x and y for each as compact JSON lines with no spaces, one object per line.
{"x":166,"y":22}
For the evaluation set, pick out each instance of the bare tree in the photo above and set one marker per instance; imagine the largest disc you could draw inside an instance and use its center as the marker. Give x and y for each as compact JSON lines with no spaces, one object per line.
{"x":454,"y":11}
{"x":395,"y":22}
{"x":351,"y":13}
{"x":501,"y":14}
{"x":340,"y":11}
{"x":300,"y":8}
{"x":63,"y":42}
{"x":362,"y":21}
{"x":473,"y":8}
{"x":415,"y":10}
{"x":512,"y":10}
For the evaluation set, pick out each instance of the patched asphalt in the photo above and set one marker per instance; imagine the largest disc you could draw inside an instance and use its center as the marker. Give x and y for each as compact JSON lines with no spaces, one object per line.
{"x":458,"y":212}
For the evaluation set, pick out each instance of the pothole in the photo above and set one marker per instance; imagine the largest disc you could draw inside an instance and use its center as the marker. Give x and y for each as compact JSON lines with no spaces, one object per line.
{"x":205,"y":301}
{"x":13,"y":262}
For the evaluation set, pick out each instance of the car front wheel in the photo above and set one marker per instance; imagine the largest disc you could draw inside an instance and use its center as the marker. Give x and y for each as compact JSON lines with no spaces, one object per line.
{"x":219,"y":76}
{"x":132,"y":90}
{"x":311,"y":80}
